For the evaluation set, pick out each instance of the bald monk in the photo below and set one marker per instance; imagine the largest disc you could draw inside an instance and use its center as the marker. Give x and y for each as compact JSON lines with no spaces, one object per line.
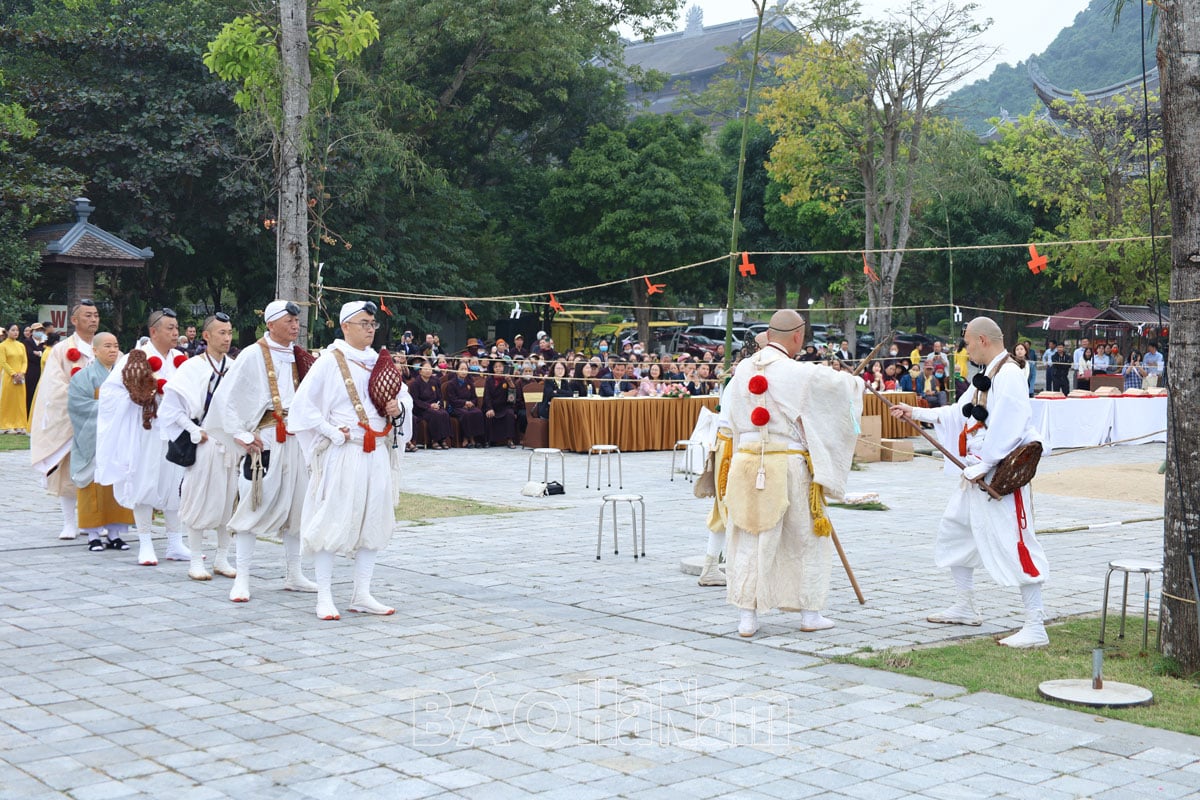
{"x":793,"y":432}
{"x":991,"y":419}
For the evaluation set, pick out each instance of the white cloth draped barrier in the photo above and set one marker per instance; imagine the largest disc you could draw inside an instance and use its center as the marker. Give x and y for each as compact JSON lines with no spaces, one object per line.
{"x":1090,"y":421}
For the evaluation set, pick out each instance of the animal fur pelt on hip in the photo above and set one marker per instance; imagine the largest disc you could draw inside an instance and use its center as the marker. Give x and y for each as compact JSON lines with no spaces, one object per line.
{"x":752,"y":509}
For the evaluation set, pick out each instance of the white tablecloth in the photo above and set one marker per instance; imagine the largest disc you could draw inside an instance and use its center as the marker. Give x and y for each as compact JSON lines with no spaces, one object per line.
{"x":1084,"y":422}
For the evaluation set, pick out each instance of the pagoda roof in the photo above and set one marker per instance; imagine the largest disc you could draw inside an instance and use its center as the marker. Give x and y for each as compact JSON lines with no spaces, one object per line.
{"x":1129,"y":88}
{"x":699,"y":48}
{"x":84,"y":243}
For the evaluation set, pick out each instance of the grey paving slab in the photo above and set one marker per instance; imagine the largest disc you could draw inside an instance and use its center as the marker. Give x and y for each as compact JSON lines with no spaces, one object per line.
{"x":517,"y":665}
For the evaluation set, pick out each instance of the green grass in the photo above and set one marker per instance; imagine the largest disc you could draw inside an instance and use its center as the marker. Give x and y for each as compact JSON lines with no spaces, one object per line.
{"x":979,"y":665}
{"x":13,"y":442}
{"x":860,"y":506}
{"x":423,"y":507}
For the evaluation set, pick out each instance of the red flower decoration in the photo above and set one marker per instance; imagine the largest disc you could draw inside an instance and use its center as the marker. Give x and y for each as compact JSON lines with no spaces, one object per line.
{"x":758,"y":384}
{"x":179,"y":359}
{"x":74,"y":370}
{"x":163,"y":382}
{"x":74,"y":355}
{"x":155,"y":363}
{"x":760,"y":416}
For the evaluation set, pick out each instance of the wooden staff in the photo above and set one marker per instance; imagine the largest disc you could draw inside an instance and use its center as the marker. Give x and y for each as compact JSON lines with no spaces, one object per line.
{"x":837,"y":544}
{"x":984,"y":485}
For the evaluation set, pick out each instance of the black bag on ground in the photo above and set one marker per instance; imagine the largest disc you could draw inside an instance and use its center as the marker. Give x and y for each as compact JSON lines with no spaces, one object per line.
{"x":554,"y":487}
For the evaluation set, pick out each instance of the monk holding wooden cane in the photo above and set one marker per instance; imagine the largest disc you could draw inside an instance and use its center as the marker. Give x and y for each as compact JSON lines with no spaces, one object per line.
{"x":990,"y":420}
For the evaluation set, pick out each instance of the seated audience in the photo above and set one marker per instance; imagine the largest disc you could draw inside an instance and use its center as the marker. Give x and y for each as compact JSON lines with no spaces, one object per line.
{"x":501,"y":395}
{"x":463,"y":404}
{"x":427,"y":406}
{"x":558,"y":384}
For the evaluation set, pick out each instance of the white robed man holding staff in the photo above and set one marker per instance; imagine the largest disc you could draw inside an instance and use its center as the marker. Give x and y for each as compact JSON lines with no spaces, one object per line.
{"x":50,"y":432}
{"x":210,"y":484}
{"x":794,"y":426}
{"x":345,"y":415}
{"x":249,"y":416}
{"x":991,"y":419}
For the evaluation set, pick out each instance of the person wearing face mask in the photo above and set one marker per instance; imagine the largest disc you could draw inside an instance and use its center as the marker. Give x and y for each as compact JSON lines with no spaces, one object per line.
{"x":35,"y":346}
{"x":603,"y":348}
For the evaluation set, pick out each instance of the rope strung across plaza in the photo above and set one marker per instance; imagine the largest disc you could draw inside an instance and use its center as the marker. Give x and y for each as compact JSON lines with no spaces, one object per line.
{"x":531,"y":296}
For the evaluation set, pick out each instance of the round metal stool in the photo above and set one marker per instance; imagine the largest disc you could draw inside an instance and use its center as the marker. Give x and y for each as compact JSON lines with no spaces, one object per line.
{"x":1126,"y":566}
{"x":604,"y":452}
{"x":622,"y":498}
{"x":686,"y":446}
{"x":545,"y":453}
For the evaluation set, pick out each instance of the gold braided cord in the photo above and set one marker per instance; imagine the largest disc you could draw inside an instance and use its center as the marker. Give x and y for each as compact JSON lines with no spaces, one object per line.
{"x":1180,"y":599}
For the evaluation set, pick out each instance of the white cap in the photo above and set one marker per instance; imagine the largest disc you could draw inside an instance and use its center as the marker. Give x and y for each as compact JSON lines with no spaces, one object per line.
{"x":355,"y":306}
{"x":277,"y":308}
{"x":540,"y":335}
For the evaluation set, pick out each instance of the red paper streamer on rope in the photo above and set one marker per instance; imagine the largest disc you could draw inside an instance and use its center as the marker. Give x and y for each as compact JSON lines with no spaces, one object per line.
{"x":554,"y":304}
{"x":653,"y":288}
{"x":470,"y":313}
{"x":1037,"y":263}
{"x":870,"y":273}
{"x":746,"y":268}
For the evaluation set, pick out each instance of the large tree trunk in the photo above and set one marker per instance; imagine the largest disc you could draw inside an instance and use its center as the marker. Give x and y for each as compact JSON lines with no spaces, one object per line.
{"x":1179,"y":68}
{"x":291,"y":261}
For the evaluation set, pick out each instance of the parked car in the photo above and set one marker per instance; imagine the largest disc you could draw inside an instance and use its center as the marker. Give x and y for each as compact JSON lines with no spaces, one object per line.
{"x":717,"y":333}
{"x":695,"y":345}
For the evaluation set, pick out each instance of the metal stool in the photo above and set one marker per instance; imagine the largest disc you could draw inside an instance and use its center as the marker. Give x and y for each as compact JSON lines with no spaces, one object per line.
{"x":686,"y":445}
{"x":1126,"y":566}
{"x":545,"y":453}
{"x":604,"y":452}
{"x":622,"y":498}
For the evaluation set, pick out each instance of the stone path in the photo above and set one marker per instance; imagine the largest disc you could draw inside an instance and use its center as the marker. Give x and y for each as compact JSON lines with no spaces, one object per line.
{"x":518,"y":665}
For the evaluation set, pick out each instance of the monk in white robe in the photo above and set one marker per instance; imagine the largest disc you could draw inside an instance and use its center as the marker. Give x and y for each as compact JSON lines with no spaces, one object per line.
{"x":99,"y":512}
{"x":976,"y":531}
{"x":210,"y":485}
{"x":355,"y":455}
{"x":793,"y":427}
{"x":50,"y":432}
{"x":132,"y":458}
{"x":251,"y":420}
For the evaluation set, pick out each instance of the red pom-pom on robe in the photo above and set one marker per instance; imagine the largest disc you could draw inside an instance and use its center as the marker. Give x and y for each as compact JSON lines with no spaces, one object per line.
{"x":74,"y":355}
{"x":179,"y":360}
{"x":155,"y":363}
{"x":758,"y":384}
{"x":760,"y":416}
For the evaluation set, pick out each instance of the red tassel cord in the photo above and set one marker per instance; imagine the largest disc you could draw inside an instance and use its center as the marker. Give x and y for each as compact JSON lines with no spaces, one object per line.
{"x":369,"y":436}
{"x":280,"y":429}
{"x":962,"y":437}
{"x":1022,"y":551}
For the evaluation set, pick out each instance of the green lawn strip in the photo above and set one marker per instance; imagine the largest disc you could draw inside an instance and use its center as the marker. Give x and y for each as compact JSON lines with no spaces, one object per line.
{"x":424,"y":507}
{"x":860,"y":506}
{"x":13,"y":442}
{"x":980,"y":665}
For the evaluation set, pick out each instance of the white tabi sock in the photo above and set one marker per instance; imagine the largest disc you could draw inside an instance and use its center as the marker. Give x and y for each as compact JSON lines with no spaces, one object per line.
{"x":363,"y":602}
{"x":323,"y":566}
{"x":221,"y":565}
{"x":142,"y":516}
{"x":196,"y":570}
{"x":176,"y":549}
{"x":70,"y":517}
{"x":244,"y":541}
{"x":964,"y":578}
{"x":716,"y":543}
{"x":294,"y":580}
{"x":1033,"y":634}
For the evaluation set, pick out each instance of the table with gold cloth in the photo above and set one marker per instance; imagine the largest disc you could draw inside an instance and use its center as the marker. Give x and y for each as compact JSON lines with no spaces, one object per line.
{"x":631,"y":423}
{"x":892,"y":428}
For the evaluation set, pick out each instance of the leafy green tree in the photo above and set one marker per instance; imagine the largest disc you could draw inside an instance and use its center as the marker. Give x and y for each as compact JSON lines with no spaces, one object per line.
{"x":639,"y":200}
{"x":122,"y":101}
{"x":1089,"y":172}
{"x":851,"y":115}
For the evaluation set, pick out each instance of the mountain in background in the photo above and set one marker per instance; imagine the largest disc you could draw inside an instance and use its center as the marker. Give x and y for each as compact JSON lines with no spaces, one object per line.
{"x":1089,"y":54}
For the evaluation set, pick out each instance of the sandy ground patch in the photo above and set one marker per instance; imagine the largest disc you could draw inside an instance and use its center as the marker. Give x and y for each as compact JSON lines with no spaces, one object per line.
{"x":1134,"y":483}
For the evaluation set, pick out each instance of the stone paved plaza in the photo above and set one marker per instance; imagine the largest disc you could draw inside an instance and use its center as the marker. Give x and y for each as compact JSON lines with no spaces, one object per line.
{"x":518,"y":665}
